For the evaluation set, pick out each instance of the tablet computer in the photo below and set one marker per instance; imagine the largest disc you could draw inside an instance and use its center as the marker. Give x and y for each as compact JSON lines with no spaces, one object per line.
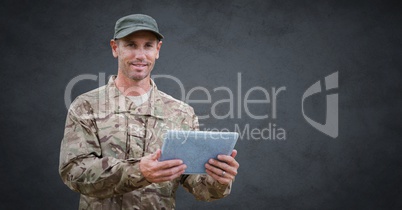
{"x":195,"y":148}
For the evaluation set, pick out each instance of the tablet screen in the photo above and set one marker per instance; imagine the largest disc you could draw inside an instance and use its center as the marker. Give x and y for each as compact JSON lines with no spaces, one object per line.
{"x":195,"y":148}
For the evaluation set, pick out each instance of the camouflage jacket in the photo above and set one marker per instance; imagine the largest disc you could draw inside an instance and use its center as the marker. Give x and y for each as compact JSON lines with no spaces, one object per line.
{"x":105,"y":137}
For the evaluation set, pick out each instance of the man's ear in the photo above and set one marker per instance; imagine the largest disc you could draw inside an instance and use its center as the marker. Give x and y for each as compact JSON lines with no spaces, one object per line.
{"x":114,"y":45}
{"x":158,"y":48}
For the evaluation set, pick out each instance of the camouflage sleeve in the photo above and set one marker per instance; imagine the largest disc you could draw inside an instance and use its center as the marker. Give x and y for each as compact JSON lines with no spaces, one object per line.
{"x":84,"y":169}
{"x":204,"y":187}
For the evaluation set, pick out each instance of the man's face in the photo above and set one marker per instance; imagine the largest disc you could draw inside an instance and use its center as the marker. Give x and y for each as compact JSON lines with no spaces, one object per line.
{"x":136,"y":54}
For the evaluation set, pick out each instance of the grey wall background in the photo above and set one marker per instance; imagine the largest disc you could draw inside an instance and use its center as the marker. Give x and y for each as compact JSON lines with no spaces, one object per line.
{"x":271,"y":43}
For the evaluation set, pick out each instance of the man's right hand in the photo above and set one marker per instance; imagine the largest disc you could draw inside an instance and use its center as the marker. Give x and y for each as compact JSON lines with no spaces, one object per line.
{"x":155,"y":171}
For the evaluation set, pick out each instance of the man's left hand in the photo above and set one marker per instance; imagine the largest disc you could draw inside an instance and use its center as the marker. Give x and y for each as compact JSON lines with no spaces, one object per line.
{"x":223,"y":169}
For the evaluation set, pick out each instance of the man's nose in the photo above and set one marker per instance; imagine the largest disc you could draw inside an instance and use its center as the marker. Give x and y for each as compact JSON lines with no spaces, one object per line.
{"x":140,"y":54}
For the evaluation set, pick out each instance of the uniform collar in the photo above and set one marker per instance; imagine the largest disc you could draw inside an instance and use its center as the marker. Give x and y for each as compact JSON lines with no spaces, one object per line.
{"x":153,"y":107}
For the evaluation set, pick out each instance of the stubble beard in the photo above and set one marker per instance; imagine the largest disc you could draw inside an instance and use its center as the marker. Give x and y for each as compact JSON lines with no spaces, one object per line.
{"x":137,"y":76}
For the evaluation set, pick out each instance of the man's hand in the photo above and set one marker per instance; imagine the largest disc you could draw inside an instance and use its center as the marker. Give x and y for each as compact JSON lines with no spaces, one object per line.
{"x":224,"y":169}
{"x":155,"y":171}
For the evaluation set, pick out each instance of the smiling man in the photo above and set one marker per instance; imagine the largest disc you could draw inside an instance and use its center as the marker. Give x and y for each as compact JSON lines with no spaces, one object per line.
{"x":113,"y":134}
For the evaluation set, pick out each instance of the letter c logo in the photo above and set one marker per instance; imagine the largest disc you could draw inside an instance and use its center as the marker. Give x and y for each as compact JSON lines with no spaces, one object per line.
{"x":331,"y":123}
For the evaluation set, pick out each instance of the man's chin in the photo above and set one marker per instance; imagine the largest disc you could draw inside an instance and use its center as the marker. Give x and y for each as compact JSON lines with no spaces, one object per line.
{"x":135,"y":76}
{"x":138,"y":77}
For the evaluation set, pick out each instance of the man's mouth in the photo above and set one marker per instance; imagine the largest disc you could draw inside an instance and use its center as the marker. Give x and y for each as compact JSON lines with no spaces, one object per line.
{"x":139,"y":64}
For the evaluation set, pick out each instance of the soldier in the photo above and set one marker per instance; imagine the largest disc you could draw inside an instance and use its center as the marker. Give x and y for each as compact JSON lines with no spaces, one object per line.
{"x":113,"y":134}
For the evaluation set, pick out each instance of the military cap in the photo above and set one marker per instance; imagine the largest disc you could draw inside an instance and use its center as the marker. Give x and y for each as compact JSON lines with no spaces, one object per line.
{"x":133,"y":23}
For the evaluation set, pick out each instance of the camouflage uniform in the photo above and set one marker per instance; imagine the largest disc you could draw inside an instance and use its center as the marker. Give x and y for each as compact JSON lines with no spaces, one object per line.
{"x":105,"y":137}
